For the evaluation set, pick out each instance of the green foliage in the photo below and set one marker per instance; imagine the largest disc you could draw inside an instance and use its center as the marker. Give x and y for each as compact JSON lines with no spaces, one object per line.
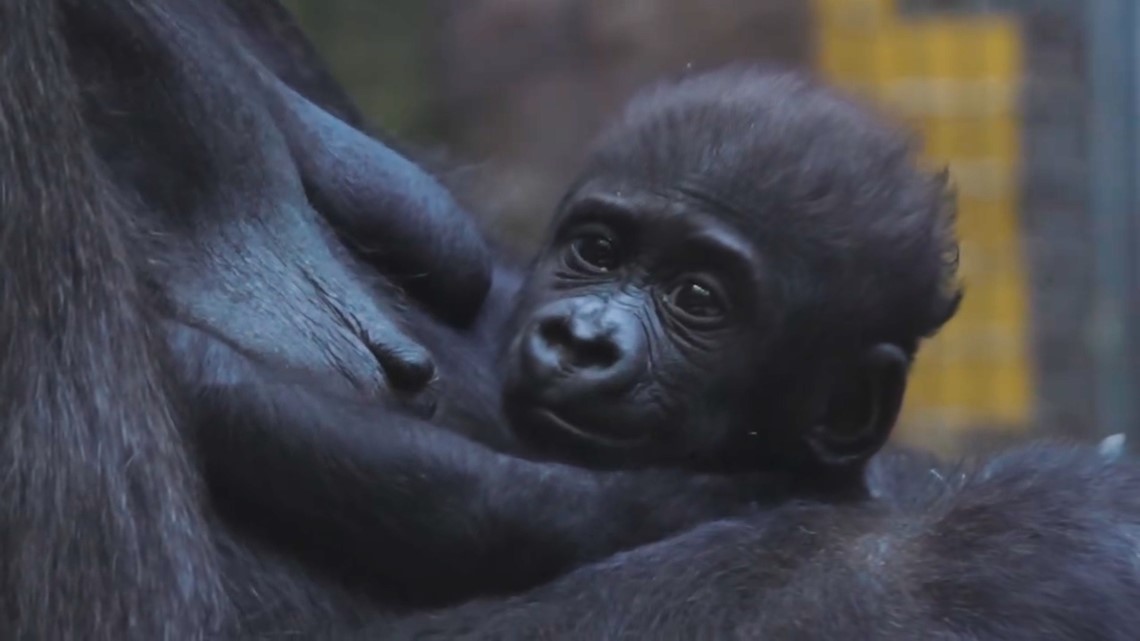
{"x":381,"y":51}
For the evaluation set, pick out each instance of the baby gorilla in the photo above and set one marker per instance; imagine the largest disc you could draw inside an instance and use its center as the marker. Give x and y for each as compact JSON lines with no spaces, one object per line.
{"x":736,"y":284}
{"x":738,"y":281}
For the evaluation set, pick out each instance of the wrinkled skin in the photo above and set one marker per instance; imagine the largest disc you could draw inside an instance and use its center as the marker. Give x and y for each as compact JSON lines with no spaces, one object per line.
{"x":622,"y":347}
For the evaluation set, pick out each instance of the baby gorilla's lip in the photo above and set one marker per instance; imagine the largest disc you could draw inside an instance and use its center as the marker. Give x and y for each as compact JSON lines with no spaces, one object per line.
{"x":609,"y":439}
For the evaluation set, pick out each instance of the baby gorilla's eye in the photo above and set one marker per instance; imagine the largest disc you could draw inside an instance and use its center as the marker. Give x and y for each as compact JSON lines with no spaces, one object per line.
{"x":697,"y":300}
{"x":596,"y":251}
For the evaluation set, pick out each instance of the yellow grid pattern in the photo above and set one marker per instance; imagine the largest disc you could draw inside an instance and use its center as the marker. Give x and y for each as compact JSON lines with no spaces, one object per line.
{"x":957,"y":80}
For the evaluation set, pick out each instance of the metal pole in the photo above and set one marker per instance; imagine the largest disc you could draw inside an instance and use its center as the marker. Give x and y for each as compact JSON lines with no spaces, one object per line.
{"x":1112,"y":38}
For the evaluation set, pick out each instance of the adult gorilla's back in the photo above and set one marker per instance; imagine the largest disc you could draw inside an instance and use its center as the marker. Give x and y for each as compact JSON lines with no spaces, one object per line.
{"x":102,"y":536}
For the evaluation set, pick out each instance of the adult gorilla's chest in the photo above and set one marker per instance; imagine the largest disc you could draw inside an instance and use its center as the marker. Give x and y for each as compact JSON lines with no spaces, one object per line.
{"x":260,"y":268}
{"x":229,"y":236}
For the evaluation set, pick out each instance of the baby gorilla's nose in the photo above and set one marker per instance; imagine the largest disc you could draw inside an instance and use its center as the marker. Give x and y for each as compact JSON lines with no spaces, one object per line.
{"x":579,"y":347}
{"x":578,"y":343}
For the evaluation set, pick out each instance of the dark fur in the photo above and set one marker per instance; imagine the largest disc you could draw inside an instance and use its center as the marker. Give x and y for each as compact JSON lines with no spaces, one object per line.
{"x":1038,"y":544}
{"x":160,"y":182}
{"x":826,"y":188}
{"x":101,"y":536}
{"x":156,"y":182}
{"x":830,"y":244}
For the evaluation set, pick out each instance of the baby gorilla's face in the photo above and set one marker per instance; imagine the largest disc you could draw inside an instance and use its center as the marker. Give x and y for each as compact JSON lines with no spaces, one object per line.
{"x":738,"y":282}
{"x":636,"y":332}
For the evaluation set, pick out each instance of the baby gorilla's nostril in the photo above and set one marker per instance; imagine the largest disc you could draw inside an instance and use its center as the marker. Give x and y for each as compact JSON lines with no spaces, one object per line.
{"x":595,"y":353}
{"x":556,"y":332}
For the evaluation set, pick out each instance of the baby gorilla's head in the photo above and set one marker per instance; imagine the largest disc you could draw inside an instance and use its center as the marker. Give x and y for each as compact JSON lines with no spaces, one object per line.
{"x":738,"y":279}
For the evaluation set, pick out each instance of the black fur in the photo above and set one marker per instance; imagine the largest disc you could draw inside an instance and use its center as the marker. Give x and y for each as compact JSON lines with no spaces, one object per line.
{"x":1038,"y":544}
{"x":157,"y":181}
{"x":819,"y":255}
{"x":102,"y":535}
{"x":160,"y":182}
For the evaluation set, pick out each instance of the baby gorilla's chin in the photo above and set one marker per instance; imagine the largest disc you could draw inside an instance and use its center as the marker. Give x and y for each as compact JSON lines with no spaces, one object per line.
{"x":549,"y":403}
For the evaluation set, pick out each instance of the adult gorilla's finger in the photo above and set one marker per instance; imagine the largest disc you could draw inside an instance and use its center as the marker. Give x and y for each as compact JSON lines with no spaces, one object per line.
{"x":396,"y":215}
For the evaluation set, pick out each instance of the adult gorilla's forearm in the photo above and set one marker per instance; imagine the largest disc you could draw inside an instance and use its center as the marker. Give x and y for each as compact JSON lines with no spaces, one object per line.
{"x":1036,"y":544}
{"x":403,"y":504}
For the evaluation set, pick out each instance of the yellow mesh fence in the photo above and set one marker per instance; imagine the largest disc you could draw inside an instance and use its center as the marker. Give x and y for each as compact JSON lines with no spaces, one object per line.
{"x":956,"y":79}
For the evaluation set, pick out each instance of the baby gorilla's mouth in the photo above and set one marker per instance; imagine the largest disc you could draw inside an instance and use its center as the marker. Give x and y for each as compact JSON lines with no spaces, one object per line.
{"x":608,"y":437}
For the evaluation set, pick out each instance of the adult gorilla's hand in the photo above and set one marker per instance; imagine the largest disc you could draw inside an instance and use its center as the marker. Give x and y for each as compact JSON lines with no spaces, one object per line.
{"x":397,"y":216}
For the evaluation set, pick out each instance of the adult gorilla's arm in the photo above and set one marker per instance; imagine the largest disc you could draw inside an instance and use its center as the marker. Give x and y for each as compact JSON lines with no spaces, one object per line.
{"x":1037,"y":544}
{"x":423,"y":512}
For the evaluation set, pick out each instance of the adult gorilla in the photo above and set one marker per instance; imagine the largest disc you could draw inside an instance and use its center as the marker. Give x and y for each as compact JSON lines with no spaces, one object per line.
{"x":139,"y":150}
{"x":172,"y":282}
{"x":189,"y":172}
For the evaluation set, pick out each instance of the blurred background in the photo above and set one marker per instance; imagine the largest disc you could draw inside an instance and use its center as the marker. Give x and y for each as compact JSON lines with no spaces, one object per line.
{"x":1033,"y":104}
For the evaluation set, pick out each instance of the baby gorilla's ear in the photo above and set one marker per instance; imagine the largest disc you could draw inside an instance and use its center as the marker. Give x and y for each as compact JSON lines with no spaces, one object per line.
{"x":861,"y":407}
